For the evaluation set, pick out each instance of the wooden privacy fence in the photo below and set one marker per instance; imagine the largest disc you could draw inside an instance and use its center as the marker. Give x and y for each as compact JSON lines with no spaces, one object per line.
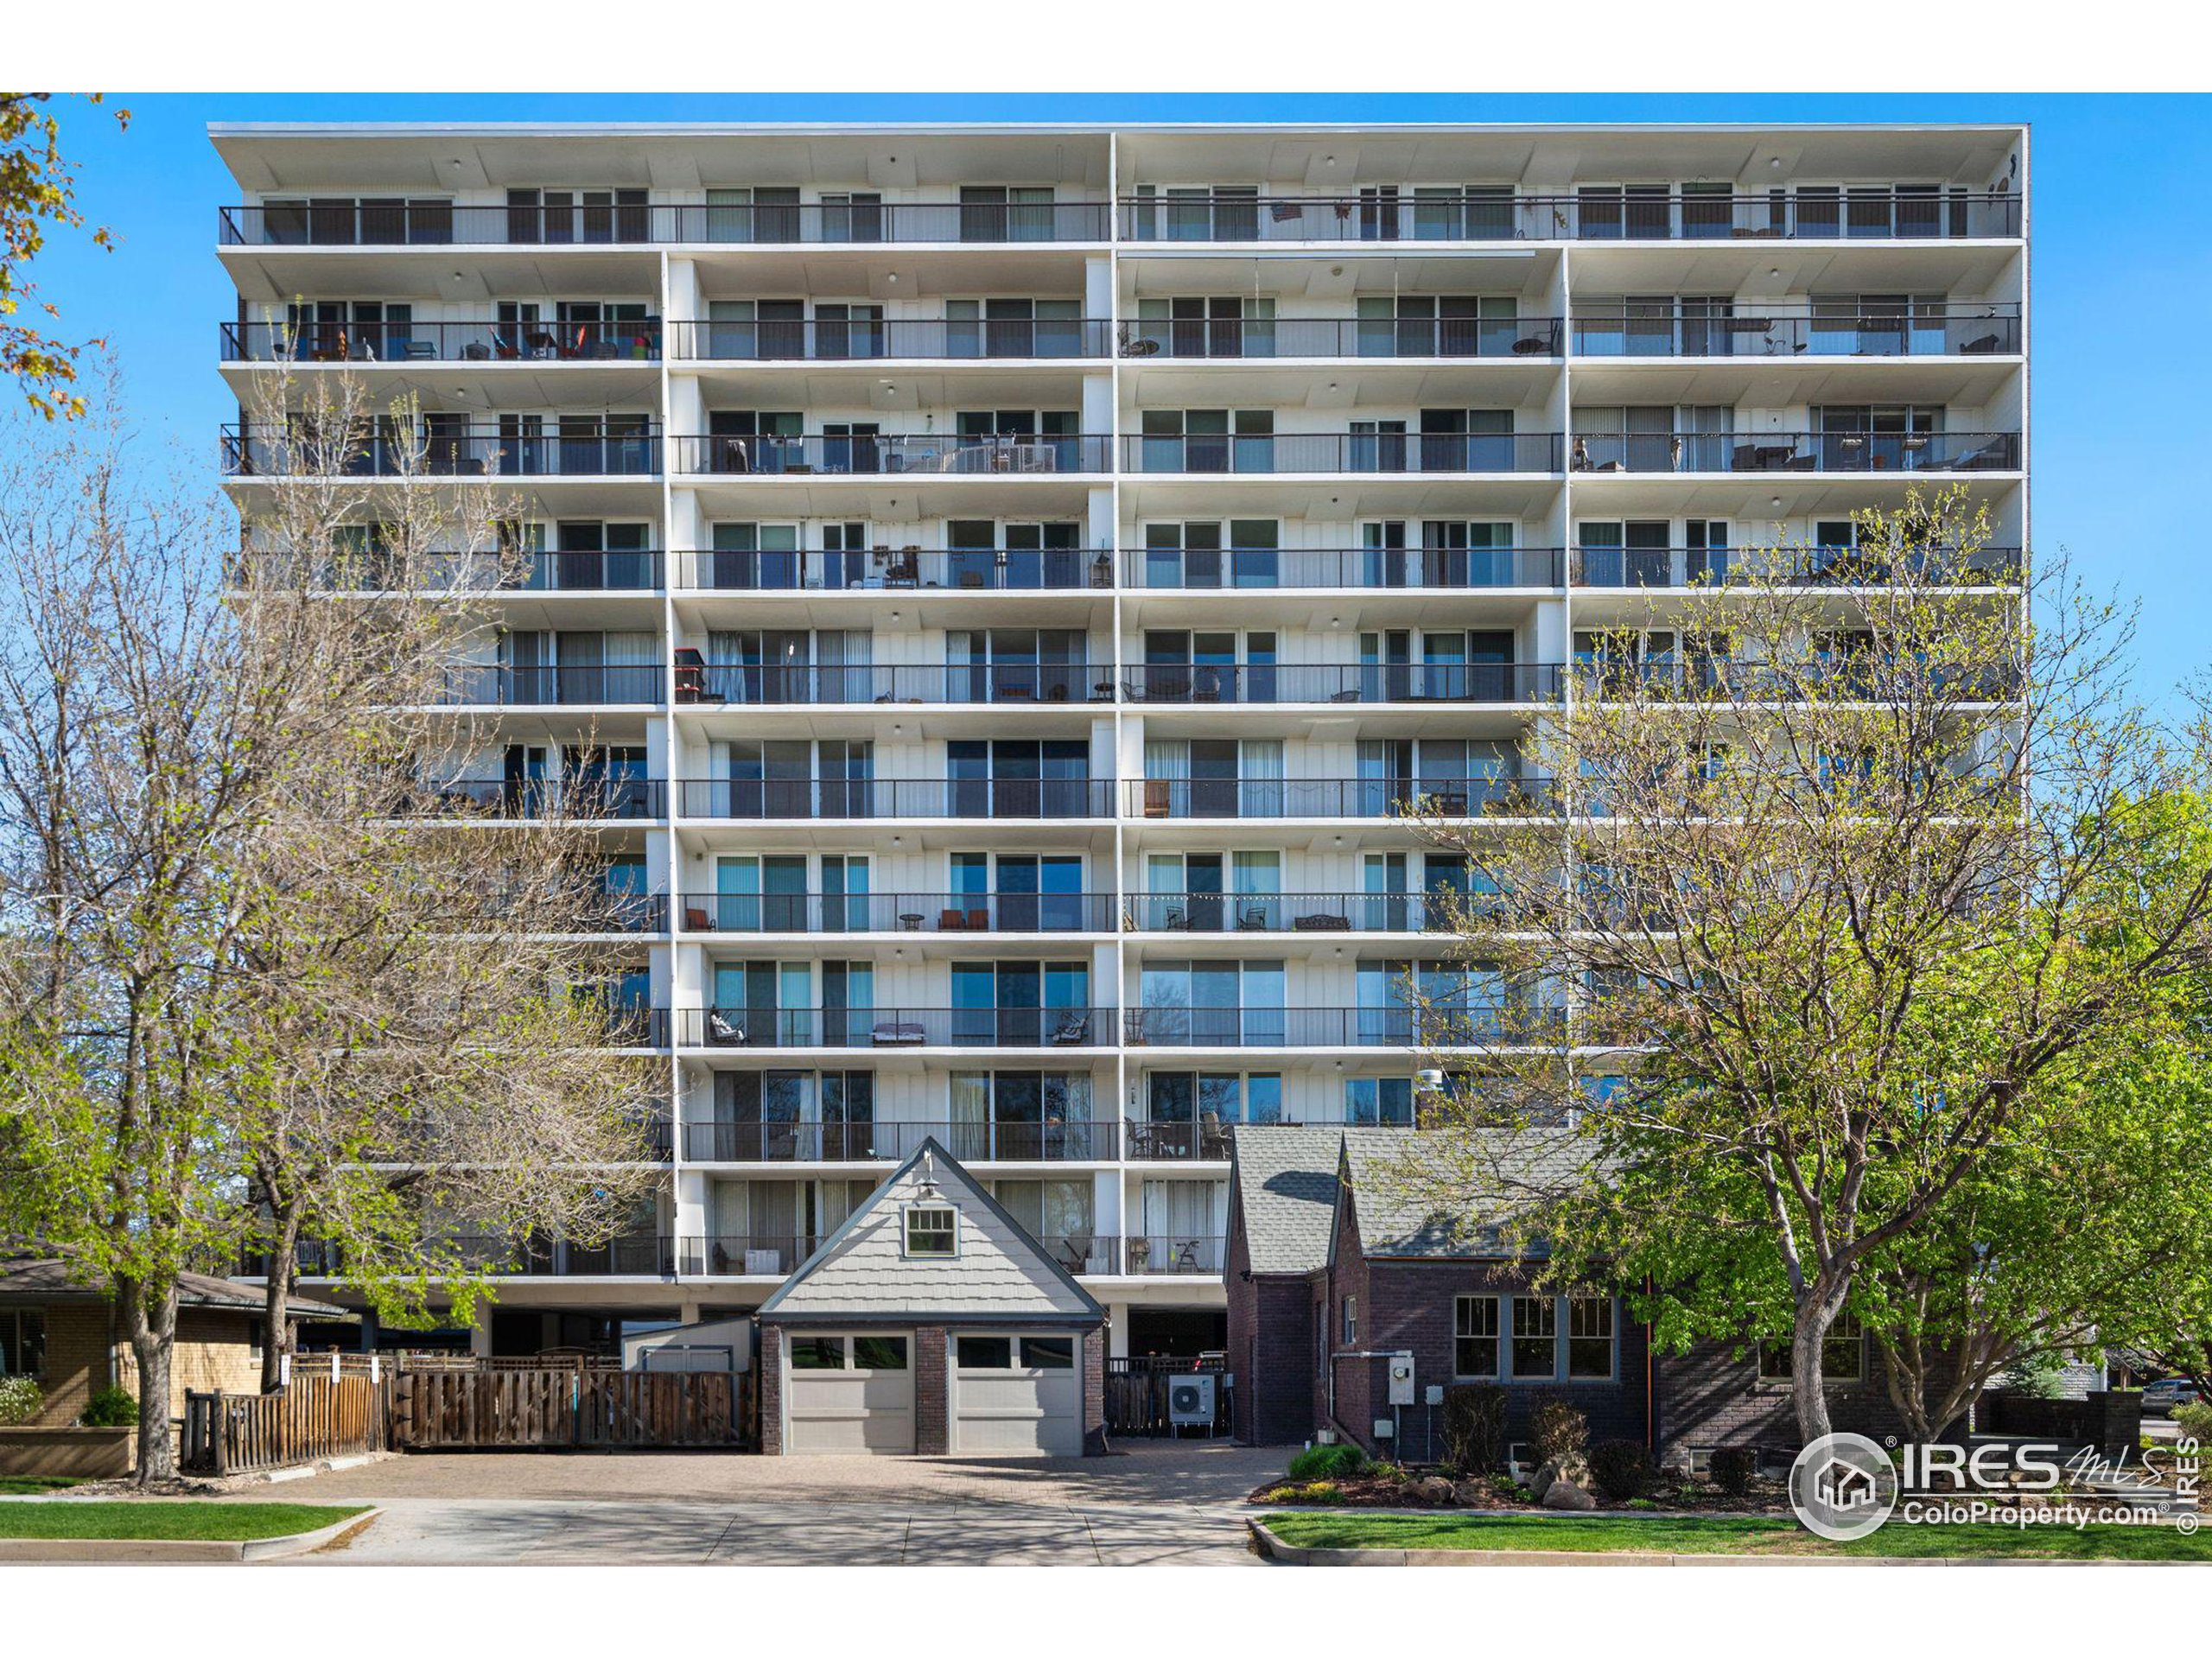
{"x":312,"y":1417}
{"x":563,"y":1406}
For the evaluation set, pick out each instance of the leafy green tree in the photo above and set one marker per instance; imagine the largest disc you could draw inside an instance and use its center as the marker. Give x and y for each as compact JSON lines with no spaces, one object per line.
{"x":38,"y":189}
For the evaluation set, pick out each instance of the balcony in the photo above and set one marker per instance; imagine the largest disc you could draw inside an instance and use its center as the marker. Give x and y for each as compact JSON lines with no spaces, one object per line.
{"x":527,"y":798}
{"x":1341,"y":682}
{"x":1378,"y":568}
{"x":1029,"y":799}
{"x":599,"y":220}
{"x":1497,"y":213}
{"x":892,"y":454}
{"x":456,"y":451}
{"x":1346,"y":452}
{"x":887,"y":569}
{"x":1796,"y":452}
{"x":1337,"y":797}
{"x":488,"y":340}
{"x":1182,"y":1253}
{"x":1292,"y":912}
{"x":1025,"y":1027}
{"x":1340,"y":1027}
{"x":1653,"y":330}
{"x":637,"y":1255}
{"x":1150,"y":1140}
{"x":493,"y":685}
{"x":874,"y":1142}
{"x":756,"y":1256}
{"x":1244,"y":339}
{"x":1022,"y":684}
{"x":900,"y":913}
{"x":950,"y":338}
{"x":1698,"y":567}
{"x":633,"y":913}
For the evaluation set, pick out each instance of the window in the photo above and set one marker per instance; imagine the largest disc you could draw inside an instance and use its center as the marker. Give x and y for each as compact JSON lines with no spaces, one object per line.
{"x":986,"y":1353}
{"x":1535,"y":1328}
{"x":1048,"y":1353}
{"x":1590,"y":1338}
{"x":817,"y":1353}
{"x":1352,"y":1320}
{"x":1474,"y":1335}
{"x":22,"y":1341}
{"x":933,"y":1229}
{"x":879,"y":1353}
{"x":1843,"y":1356}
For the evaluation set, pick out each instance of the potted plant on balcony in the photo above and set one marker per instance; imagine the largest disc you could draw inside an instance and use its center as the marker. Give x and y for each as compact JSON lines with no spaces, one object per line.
{"x":1139,"y":1254}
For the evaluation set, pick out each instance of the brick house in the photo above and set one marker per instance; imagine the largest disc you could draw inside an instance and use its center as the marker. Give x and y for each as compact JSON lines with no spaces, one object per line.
{"x":1330,"y":1278}
{"x":65,"y":1334}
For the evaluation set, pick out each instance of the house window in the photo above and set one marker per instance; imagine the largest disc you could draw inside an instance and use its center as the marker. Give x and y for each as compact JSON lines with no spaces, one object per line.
{"x":986,"y":1353}
{"x":1352,"y":1320}
{"x":932,"y":1231}
{"x":1536,"y":1338}
{"x":879,"y":1353}
{"x":22,"y":1342}
{"x":817,"y":1353}
{"x":1474,"y":1335}
{"x":1590,"y":1338}
{"x":1843,"y":1356}
{"x":1048,"y":1353}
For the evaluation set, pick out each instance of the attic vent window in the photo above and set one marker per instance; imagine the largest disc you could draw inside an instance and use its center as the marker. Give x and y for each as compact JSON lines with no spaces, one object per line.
{"x":932,"y":1231}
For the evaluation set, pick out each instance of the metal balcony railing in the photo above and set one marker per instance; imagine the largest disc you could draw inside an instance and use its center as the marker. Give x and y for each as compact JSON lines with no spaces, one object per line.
{"x":954,"y":339}
{"x":628,"y":1256}
{"x":1692,"y":567}
{"x":872,"y":1140}
{"x":1292,"y":912}
{"x":1339,"y":1027}
{"x":898,"y":912}
{"x":373,"y":570}
{"x":496,"y":685}
{"x":1023,"y":1027}
{"x":1629,"y":330}
{"x":633,"y":913}
{"x":598,"y":217}
{"x":1795,"y":452}
{"x":1245,"y":338}
{"x":1452,"y":569}
{"x":897,"y":797}
{"x":1018,"y":684}
{"x":455,"y":452}
{"x":894,"y":569}
{"x":1335,"y":797}
{"x":536,"y":797}
{"x":485,"y":341}
{"x":757,"y":1255}
{"x":932,"y":454}
{"x":1152,"y":1253}
{"x":1346,"y":682}
{"x":1346,"y":452}
{"x":1497,"y":213}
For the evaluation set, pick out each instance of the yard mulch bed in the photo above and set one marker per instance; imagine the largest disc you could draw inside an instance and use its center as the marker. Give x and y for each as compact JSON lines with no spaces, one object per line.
{"x":1500,"y":1492}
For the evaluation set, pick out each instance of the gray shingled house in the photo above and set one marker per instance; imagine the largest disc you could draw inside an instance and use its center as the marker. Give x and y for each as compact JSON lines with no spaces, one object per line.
{"x":931,"y":1322}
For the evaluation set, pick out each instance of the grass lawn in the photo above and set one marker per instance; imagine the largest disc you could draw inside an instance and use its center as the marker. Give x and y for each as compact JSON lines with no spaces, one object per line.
{"x":130,"y":1518}
{"x":1710,"y":1536}
{"x":31,"y":1485}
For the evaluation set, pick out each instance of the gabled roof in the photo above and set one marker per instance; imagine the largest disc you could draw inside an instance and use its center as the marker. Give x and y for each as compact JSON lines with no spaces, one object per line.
{"x":1511,"y":1168}
{"x":861,"y":1273}
{"x":47,"y":1278}
{"x":1283,"y":1179}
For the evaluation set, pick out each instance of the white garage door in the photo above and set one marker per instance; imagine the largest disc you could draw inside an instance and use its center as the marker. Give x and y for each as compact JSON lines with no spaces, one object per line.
{"x":1018,"y":1396}
{"x":851,"y":1393}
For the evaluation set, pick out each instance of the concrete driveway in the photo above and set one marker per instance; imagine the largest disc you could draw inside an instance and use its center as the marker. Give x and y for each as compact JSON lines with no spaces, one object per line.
{"x":1159,"y":1504}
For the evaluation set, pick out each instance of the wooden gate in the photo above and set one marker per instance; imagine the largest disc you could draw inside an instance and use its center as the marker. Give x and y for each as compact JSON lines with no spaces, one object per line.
{"x":565,"y":1406}
{"x":311,"y":1417}
{"x":1136,"y":1395}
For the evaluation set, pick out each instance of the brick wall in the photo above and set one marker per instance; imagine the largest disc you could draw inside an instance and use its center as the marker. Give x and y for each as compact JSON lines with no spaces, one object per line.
{"x":78,"y":1339}
{"x":1709,"y":1396}
{"x":214,"y":1349}
{"x":771,"y":1362}
{"x":1094,"y":1392}
{"x":1270,"y":1350}
{"x":933,"y":1400}
{"x":1347,"y":1380}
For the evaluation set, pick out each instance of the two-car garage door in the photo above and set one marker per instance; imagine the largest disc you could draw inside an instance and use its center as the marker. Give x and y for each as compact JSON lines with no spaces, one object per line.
{"x":1017,"y":1395}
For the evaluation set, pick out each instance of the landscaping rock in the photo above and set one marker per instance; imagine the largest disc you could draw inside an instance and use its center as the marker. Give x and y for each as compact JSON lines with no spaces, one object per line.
{"x":1540,"y":1482}
{"x":1564,"y":1494}
{"x":1472,"y":1494}
{"x":1434,"y":1488}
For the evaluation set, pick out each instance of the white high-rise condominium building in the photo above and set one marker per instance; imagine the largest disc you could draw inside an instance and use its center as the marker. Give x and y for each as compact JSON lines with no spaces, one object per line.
{"x":1011,"y":575}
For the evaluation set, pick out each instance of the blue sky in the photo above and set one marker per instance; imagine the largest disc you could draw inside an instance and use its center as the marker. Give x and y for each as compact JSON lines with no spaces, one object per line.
{"x":2120,"y":374}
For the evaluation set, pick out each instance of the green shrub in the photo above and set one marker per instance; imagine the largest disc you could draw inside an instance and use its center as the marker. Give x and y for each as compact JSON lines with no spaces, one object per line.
{"x":1314,"y":1491}
{"x":2195,"y":1422}
{"x":1328,"y":1462}
{"x":1621,"y":1470}
{"x":111,"y":1409}
{"x":1474,"y":1425}
{"x":1733,"y":1467}
{"x":20,"y":1399}
{"x":1557,"y":1430}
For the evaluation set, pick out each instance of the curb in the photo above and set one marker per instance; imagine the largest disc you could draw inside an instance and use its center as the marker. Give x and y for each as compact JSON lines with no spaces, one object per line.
{"x":1275,"y":1549}
{"x":201,"y":1551}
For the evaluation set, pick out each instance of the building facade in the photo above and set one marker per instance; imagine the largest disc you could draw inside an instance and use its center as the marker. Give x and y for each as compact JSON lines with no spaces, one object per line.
{"x":999,"y":586}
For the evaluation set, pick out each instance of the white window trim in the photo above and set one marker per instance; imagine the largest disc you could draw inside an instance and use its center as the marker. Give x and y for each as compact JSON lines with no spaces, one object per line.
{"x":906,"y":1214}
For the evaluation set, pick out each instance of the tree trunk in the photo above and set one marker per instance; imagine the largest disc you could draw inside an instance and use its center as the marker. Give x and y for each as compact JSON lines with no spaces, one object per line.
{"x":283,"y":1265}
{"x":152,"y":1333}
{"x":1817,"y":1308}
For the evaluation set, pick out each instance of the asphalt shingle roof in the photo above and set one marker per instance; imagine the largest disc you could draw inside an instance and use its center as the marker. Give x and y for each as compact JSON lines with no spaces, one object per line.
{"x":48,"y":1279}
{"x":1285,"y":1181}
{"x":1512,"y":1168}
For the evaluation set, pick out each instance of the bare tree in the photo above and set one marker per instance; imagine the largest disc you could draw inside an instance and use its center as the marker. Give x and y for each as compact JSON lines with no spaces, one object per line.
{"x":1818,"y":898}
